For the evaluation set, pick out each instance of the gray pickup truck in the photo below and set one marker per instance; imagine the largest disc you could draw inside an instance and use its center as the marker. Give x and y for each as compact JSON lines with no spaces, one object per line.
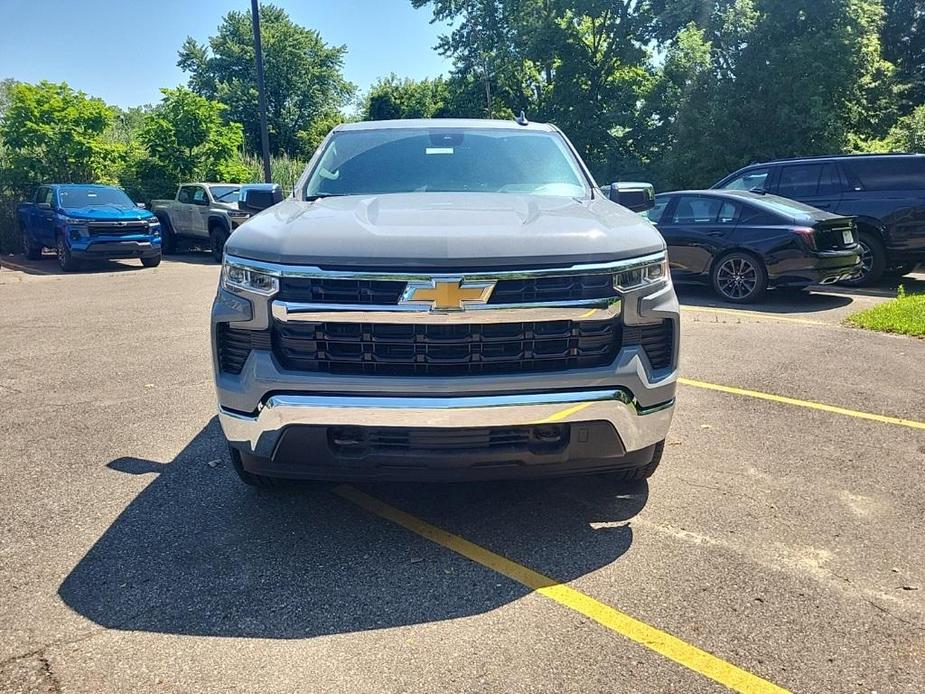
{"x":445,"y":300}
{"x":206,"y":212}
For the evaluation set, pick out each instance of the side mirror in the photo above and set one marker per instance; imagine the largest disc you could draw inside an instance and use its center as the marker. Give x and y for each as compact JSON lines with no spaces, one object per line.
{"x":43,"y":205}
{"x":637,"y":197}
{"x":259,"y":196}
{"x":141,"y":205}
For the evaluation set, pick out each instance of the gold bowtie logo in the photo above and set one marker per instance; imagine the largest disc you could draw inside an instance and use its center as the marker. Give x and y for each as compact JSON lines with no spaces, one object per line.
{"x":449,"y":294}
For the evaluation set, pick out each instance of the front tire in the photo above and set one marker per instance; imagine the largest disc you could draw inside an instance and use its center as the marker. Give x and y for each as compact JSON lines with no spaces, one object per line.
{"x":217,"y":238}
{"x":873,"y":261}
{"x":153,"y":261}
{"x":168,"y":238}
{"x":31,"y":251}
{"x":66,"y":261}
{"x":249,"y":478}
{"x":739,"y":278}
{"x":644,"y":472}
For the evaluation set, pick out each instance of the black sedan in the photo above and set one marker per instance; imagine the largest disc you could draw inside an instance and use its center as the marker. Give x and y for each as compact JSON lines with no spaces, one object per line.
{"x":744,"y":242}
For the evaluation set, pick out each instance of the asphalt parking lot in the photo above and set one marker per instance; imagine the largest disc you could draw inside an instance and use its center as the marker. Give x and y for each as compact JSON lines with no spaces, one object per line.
{"x":782,"y":534}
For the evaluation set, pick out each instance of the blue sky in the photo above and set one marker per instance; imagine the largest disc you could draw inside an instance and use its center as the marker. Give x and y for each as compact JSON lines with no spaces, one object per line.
{"x":125,"y":50}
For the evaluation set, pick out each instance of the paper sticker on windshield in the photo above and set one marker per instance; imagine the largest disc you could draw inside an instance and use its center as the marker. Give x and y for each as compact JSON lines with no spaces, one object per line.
{"x":439,"y":150}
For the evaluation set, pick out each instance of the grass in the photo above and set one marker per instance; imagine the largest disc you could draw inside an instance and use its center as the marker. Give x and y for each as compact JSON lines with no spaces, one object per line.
{"x":905,"y":315}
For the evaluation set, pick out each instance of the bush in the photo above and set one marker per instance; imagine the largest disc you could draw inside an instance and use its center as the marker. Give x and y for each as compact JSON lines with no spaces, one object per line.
{"x":283,"y":170}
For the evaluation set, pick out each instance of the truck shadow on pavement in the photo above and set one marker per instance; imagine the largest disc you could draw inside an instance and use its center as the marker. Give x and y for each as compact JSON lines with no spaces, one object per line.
{"x":199,"y":553}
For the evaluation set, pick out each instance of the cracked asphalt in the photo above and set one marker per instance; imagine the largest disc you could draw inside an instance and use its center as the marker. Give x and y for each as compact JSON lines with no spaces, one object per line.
{"x":786,"y":541}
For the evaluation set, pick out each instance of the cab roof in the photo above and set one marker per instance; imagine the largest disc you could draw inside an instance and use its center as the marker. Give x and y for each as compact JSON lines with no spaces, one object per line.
{"x":419,"y":123}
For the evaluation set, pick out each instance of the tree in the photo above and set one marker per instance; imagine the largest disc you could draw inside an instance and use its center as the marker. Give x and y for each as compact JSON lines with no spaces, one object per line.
{"x":908,"y":135}
{"x":392,"y":97}
{"x":785,"y":78}
{"x":185,"y":138}
{"x":903,"y":39}
{"x":302,"y":74}
{"x":52,"y":133}
{"x":678,"y":111}
{"x":581,"y":64}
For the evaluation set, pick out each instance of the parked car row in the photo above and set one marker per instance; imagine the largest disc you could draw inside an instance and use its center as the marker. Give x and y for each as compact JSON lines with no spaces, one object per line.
{"x":884,"y":193}
{"x":786,"y":223}
{"x":95,"y":222}
{"x":743,"y":242}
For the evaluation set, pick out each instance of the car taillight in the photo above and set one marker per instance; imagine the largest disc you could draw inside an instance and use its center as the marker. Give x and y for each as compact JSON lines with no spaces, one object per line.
{"x":807,"y":233}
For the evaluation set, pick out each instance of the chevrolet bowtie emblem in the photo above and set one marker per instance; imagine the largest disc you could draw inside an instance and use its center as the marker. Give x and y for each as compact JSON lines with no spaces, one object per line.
{"x":447,"y":294}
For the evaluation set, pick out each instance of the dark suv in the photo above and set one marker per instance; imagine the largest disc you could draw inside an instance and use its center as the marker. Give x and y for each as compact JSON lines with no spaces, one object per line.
{"x":884,"y":192}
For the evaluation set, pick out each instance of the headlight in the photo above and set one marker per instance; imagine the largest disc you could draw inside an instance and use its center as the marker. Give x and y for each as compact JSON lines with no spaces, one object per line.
{"x":155,"y":222}
{"x":236,"y":278}
{"x":653,"y":273}
{"x":75,"y":221}
{"x":237,"y":214}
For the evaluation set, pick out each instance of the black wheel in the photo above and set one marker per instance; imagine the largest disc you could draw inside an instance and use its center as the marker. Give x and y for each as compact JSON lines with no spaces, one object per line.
{"x":740,"y":278}
{"x":873,"y":261}
{"x":153,"y":261}
{"x":237,"y":461}
{"x":217,"y":238}
{"x":66,"y":261}
{"x":640,"y":473}
{"x":168,"y":238}
{"x":30,"y":250}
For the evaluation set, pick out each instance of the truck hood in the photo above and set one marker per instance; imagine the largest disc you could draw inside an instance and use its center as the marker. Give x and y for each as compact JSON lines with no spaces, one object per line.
{"x":105,"y":213}
{"x":444,"y":230}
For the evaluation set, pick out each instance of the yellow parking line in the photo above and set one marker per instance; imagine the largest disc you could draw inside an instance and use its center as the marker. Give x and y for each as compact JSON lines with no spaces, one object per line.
{"x":655,"y":639}
{"x":753,"y":314}
{"x":884,"y":419}
{"x":562,"y":414}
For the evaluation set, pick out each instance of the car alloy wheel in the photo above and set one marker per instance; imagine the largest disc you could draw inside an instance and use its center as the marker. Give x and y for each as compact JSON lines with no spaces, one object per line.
{"x":737,"y":278}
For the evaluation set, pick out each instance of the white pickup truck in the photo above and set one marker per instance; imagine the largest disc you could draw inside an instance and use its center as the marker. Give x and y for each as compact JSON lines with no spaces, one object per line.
{"x":200,"y":211}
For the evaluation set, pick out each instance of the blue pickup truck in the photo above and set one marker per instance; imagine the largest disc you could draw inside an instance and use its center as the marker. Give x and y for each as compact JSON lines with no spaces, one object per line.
{"x":85,"y":222}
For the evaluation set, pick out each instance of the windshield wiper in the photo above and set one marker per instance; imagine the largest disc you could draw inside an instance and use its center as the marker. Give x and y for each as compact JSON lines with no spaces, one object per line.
{"x":318,"y":196}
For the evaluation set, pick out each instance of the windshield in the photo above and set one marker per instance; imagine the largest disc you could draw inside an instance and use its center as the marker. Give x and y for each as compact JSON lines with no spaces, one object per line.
{"x":457,"y":160}
{"x":92,"y":195}
{"x":225,"y":193}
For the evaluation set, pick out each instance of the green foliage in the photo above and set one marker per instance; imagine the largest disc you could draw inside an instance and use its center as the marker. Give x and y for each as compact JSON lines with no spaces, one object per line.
{"x":579,"y":64}
{"x":185,"y":138}
{"x":903,"y":39}
{"x":684,"y":91}
{"x":283,"y":170}
{"x":304,"y":83}
{"x":52,"y":133}
{"x":908,"y":135}
{"x":392,"y":97}
{"x":905,"y":315}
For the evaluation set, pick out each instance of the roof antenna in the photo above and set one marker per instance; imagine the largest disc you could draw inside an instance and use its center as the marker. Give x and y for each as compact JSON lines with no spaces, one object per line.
{"x":522,"y":118}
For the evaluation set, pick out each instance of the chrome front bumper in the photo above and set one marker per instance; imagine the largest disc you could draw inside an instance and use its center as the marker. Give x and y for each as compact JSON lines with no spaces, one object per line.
{"x":637,"y":427}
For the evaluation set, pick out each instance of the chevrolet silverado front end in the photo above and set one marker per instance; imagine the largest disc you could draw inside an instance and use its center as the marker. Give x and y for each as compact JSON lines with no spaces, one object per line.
{"x":445,"y":300}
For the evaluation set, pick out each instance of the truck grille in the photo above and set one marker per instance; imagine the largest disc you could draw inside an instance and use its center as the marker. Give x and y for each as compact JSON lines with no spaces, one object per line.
{"x":114,"y":229}
{"x":388,"y":292}
{"x":234,"y":345}
{"x":399,"y":350}
{"x":358,"y":441}
{"x":656,"y":340}
{"x":445,"y":350}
